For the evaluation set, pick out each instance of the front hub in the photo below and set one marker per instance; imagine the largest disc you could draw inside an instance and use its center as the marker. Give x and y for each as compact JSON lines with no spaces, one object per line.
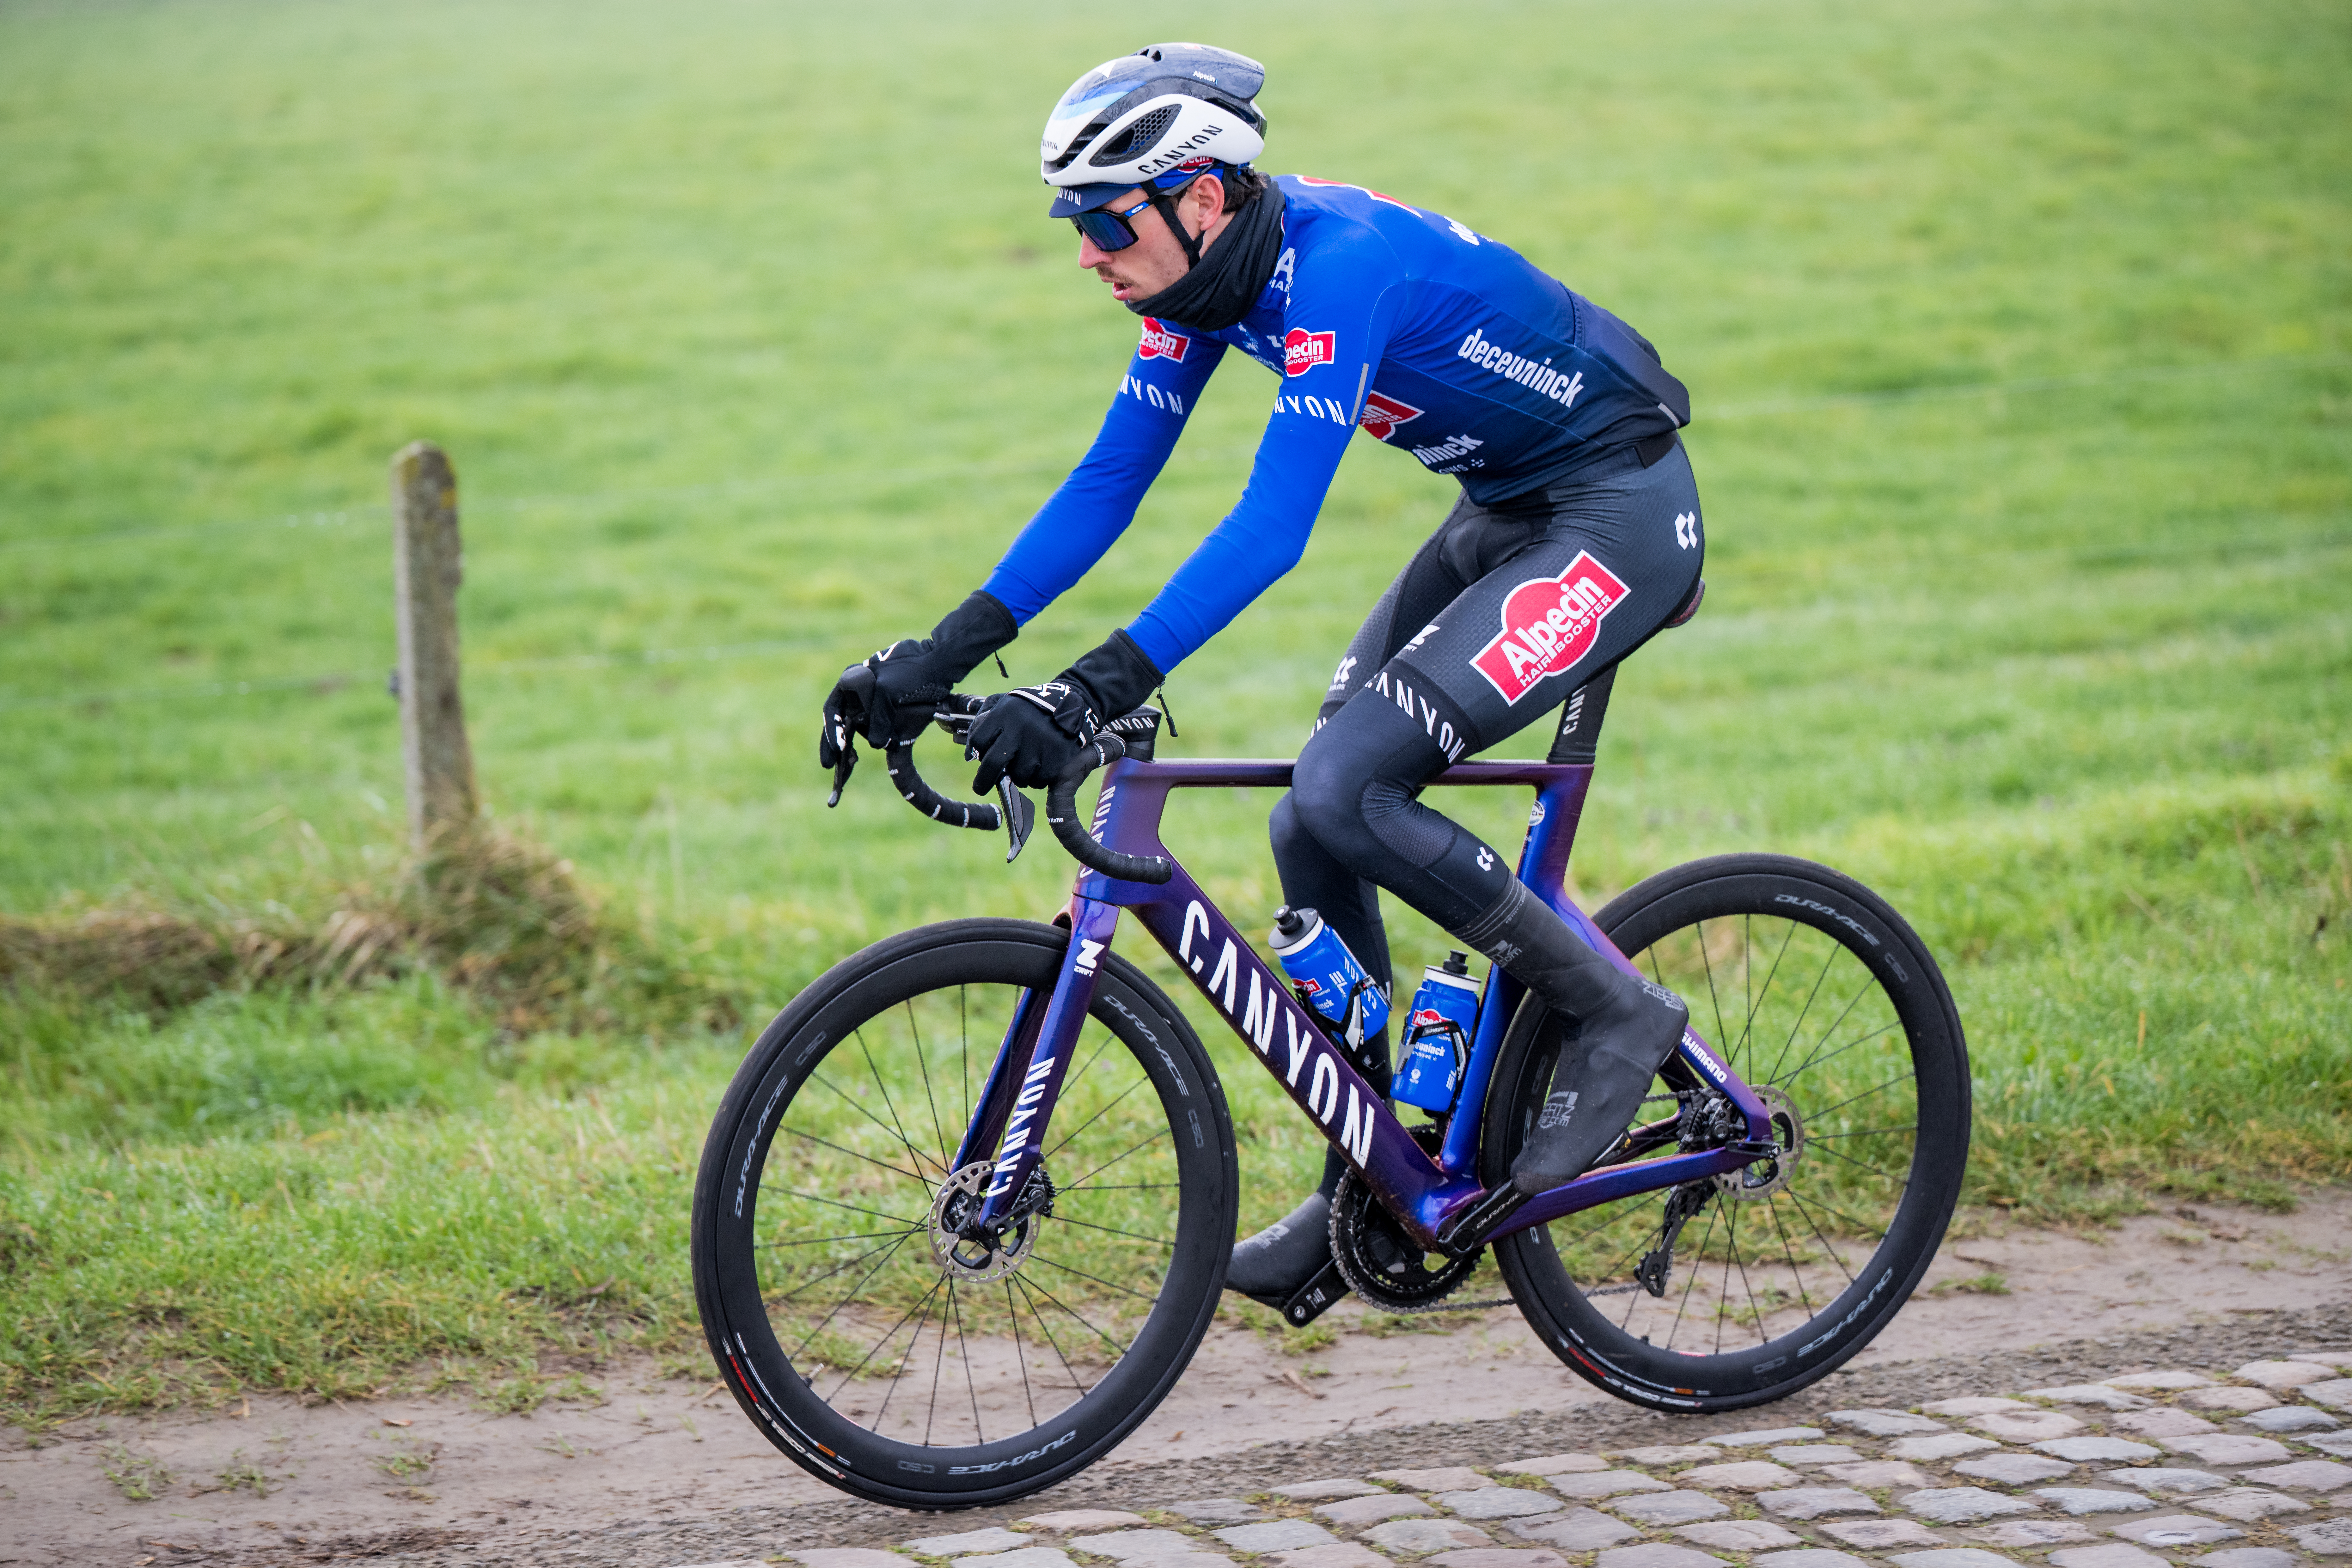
{"x":974,"y":1254}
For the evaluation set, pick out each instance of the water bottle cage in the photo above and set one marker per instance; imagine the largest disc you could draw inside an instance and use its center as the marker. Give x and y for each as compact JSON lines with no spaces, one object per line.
{"x":1349,"y":1032}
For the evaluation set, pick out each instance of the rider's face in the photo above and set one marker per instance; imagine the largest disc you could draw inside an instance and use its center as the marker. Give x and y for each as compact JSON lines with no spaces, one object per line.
{"x":1157,"y":259}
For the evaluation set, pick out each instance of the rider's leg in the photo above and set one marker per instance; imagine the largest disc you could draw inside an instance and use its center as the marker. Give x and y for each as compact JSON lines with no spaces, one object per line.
{"x":1287,"y":1254}
{"x":1455,"y":688}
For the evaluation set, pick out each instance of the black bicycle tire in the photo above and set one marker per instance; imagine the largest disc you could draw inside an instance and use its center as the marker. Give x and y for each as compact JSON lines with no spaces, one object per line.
{"x":727,"y":1291}
{"x":1557,"y":1310}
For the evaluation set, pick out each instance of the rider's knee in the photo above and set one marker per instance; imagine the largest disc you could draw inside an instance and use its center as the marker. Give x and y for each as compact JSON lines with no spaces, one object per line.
{"x":1287,"y":832}
{"x":1363,"y":765}
{"x":1326,"y":798}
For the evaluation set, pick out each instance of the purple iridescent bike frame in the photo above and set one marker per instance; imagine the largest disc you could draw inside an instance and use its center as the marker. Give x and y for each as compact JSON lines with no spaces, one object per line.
{"x":1424,"y":1194}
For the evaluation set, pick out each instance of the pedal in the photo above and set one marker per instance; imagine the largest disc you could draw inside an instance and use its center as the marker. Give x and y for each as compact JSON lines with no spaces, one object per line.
{"x":1310,"y":1301}
{"x":1470,"y":1230}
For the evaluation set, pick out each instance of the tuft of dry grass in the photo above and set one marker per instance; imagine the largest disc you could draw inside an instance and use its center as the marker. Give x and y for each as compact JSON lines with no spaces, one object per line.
{"x":489,"y":910}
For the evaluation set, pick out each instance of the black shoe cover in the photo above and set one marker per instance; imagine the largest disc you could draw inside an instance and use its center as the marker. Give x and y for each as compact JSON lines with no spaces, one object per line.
{"x":1596,"y":1088}
{"x":1286,"y":1255}
{"x":1626,"y":1027}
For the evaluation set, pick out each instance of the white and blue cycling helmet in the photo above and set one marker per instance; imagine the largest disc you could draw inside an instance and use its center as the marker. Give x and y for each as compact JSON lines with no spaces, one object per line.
{"x":1157,"y":118}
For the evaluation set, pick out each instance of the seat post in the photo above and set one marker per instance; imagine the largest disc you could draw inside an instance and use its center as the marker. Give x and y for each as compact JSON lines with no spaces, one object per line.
{"x":1579,"y":740}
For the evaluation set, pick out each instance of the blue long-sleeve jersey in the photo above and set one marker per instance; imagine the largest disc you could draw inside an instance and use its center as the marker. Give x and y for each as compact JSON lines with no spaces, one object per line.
{"x":1382,"y":316}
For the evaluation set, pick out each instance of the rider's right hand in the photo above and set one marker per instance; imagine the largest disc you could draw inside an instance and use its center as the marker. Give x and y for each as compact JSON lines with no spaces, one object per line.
{"x":912,"y":677}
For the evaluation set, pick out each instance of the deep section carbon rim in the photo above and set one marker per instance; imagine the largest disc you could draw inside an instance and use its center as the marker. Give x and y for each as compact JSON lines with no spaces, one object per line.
{"x":1728,"y":1290}
{"x":903,"y":1356}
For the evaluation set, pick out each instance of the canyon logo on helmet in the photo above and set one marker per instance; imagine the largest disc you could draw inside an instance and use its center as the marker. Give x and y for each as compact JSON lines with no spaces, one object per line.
{"x":1168,"y":109}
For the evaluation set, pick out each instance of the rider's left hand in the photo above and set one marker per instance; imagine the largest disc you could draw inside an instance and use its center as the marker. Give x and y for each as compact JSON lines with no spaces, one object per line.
{"x":1031,"y":735}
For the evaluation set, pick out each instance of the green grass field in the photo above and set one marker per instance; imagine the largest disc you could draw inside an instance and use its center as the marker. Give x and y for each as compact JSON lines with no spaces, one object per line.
{"x":2019,"y":338}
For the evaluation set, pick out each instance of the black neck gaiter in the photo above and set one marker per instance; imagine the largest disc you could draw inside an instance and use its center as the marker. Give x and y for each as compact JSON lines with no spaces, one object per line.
{"x":1225,"y":287}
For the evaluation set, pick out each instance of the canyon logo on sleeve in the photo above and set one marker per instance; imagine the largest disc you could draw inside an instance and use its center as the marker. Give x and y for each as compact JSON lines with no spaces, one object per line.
{"x":1549,"y":622}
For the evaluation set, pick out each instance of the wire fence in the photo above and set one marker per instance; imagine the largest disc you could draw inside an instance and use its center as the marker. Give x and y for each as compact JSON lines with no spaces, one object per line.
{"x":330,"y":681}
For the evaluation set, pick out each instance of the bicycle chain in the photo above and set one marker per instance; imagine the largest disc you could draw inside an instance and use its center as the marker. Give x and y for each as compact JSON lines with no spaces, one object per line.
{"x":1350,"y":1196}
{"x":1372,"y":1295}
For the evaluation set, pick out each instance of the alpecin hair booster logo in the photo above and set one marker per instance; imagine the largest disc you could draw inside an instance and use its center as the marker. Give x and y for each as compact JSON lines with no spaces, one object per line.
{"x":1549,"y":622}
{"x":1382,"y":416}
{"x":1302,"y":351}
{"x":1159,"y":343}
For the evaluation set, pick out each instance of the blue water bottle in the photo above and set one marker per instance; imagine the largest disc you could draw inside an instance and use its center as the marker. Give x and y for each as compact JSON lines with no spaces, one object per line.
{"x":1319,"y":965}
{"x":1437,"y":1035}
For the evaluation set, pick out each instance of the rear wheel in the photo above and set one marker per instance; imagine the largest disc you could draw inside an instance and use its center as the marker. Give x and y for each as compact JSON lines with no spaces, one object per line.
{"x":865,"y":1339}
{"x":1741,"y":1289}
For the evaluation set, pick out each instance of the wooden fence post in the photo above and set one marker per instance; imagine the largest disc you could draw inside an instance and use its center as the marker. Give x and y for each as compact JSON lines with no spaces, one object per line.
{"x":426,"y":566}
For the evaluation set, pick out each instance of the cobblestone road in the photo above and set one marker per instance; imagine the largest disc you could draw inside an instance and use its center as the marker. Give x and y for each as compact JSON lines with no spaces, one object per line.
{"x":2242,"y":1468}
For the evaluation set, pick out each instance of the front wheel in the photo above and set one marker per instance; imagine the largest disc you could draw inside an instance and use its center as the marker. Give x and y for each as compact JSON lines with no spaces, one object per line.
{"x":1743,"y":1288}
{"x":863,"y":1339}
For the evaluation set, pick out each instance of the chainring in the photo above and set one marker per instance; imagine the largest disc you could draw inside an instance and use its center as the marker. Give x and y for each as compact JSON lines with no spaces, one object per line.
{"x":1383,"y":1265}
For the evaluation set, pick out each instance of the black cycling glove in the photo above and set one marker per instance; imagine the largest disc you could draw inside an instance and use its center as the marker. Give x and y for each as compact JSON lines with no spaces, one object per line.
{"x":913,"y":677}
{"x":1032,"y":735}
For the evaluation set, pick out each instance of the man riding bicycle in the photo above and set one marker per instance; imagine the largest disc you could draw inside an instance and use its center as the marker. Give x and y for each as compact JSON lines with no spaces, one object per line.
{"x":1577,"y":537}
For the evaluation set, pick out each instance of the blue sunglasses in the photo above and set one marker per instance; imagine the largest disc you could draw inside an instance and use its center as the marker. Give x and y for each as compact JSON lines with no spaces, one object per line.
{"x":1109,"y":230}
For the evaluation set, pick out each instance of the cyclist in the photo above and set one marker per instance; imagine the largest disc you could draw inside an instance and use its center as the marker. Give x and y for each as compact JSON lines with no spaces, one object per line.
{"x":1577,"y":536}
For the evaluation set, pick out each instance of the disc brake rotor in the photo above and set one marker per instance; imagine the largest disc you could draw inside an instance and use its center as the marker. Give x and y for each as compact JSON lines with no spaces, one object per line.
{"x":979,"y":1256}
{"x":1760,"y":1178}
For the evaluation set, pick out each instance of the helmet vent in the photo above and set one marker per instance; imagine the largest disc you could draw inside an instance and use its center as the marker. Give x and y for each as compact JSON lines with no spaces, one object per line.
{"x":1137,"y":138}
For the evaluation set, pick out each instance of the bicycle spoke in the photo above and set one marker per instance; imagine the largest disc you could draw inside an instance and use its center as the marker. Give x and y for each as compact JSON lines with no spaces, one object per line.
{"x":1114,"y":1230}
{"x":851,"y":1101}
{"x":1029,"y":1294}
{"x":821,"y":1240}
{"x":1020,"y":1356}
{"x":920,"y":1180}
{"x":1027,"y":1284}
{"x":1097,"y":1280}
{"x":1114,"y":1160}
{"x":1859,"y":1132}
{"x":1803,"y":1013}
{"x":1858,"y":1098}
{"x":1707,"y":961}
{"x":1804,"y":1209}
{"x":1857,"y":1040}
{"x":889,"y":1334}
{"x":916,"y":1029}
{"x":1804,"y":1297}
{"x":938,"y":1365}
{"x":1856,"y":1001}
{"x":979,"y":1435}
{"x":853,"y":1208}
{"x":838,"y":1270}
{"x":1747,"y":1035}
{"x":1090,"y":1121}
{"x":1748,"y":971}
{"x":826,"y":1322}
{"x":896,"y":1127}
{"x":1697,"y":1253}
{"x":1836,"y":1213}
{"x":1839,"y":1155}
{"x":1731,"y":1252}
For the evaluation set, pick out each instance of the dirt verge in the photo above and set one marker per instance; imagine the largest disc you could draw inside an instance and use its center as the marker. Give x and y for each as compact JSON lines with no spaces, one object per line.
{"x":663,"y":1472}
